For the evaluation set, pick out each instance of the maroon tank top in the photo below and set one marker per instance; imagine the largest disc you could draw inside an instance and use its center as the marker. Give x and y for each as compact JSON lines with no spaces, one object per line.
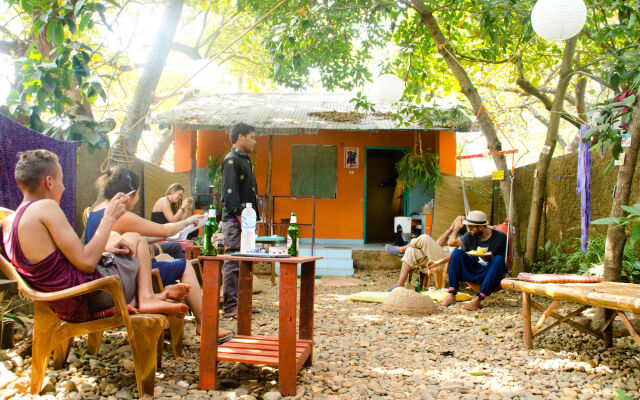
{"x":55,"y":272}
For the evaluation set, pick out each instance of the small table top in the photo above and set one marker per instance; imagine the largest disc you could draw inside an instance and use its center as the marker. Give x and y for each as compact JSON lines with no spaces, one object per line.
{"x":288,"y":260}
{"x":611,"y":295}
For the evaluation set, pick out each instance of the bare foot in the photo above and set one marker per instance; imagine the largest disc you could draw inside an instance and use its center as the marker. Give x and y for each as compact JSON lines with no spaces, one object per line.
{"x":155,"y":305}
{"x":473,"y":304}
{"x":175,"y":292}
{"x":223,"y":332}
{"x":448,"y":301}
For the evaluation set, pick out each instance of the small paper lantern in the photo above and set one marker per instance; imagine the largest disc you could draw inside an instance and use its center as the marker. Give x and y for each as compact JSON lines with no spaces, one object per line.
{"x":558,"y":19}
{"x":388,"y":88}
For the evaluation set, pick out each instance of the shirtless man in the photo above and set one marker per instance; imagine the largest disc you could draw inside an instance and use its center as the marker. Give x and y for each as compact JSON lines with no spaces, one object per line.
{"x":50,"y":256}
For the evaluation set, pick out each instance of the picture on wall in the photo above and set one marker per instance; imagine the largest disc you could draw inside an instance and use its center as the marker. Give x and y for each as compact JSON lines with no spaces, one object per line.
{"x":351,"y":157}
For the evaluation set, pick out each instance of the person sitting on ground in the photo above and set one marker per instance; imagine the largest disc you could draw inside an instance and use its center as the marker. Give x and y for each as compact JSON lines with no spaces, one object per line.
{"x":172,"y":208}
{"x":488,"y":270}
{"x":48,"y":254}
{"x":120,"y":179}
{"x":424,"y":248}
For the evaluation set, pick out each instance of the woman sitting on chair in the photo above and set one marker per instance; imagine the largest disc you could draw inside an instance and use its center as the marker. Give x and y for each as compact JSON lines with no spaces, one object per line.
{"x":120,"y":179}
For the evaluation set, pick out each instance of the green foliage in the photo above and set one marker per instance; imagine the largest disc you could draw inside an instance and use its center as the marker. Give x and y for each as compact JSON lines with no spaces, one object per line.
{"x":567,"y":258}
{"x":622,"y":395}
{"x":419,"y":169}
{"x":54,"y":85}
{"x":6,"y":308}
{"x":214,"y":172}
{"x":632,"y":220}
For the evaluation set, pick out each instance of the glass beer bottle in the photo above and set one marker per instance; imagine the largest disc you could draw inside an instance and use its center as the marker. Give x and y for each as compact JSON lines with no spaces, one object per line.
{"x":210,"y":229}
{"x":293,"y":235}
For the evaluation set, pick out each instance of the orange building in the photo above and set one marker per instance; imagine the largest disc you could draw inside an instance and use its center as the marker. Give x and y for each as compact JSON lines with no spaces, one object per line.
{"x":302,"y":150}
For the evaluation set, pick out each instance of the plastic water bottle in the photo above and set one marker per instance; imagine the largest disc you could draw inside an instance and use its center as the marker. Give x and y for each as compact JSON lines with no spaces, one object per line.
{"x":248,"y":235}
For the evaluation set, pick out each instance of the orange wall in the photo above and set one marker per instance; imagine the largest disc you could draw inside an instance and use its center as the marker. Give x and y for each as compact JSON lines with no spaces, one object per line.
{"x":183,"y":150}
{"x":339,"y":218}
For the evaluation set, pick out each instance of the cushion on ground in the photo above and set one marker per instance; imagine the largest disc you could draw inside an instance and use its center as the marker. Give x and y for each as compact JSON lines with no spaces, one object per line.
{"x":405,"y":301}
{"x":378,"y":297}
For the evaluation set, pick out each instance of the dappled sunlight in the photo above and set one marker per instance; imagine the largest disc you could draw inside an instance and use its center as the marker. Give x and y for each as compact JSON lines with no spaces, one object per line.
{"x":334,"y":297}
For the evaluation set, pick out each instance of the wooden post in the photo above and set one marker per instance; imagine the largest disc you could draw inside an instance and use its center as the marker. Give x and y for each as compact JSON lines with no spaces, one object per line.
{"x":526,"y":320}
{"x":209,"y":337}
{"x":267,"y":211}
{"x":287,"y":329}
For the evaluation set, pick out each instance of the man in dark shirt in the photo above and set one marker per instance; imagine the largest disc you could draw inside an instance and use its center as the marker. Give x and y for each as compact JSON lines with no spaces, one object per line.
{"x":486,"y":270}
{"x":238,"y":188}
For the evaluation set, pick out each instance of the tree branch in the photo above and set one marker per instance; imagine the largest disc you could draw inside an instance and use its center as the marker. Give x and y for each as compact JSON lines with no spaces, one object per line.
{"x":186,"y":50}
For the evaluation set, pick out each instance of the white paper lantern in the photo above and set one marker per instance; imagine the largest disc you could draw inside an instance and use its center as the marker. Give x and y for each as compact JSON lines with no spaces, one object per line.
{"x":388,"y":88}
{"x":558,"y":19}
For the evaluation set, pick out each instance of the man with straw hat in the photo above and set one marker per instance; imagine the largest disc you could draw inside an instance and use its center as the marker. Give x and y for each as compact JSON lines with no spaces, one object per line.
{"x":480,"y":259}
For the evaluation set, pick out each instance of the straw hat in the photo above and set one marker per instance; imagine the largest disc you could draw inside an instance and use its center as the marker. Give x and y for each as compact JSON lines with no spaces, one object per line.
{"x":475,"y":218}
{"x":407,"y":301}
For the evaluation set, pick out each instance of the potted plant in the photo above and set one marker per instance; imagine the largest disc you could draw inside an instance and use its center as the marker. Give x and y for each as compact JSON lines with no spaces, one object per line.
{"x":419,"y":168}
{"x":7,"y":322}
{"x":214,"y":173}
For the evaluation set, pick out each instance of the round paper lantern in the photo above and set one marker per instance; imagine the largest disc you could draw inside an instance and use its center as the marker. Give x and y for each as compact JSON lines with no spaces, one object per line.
{"x":558,"y":19}
{"x":388,"y":88}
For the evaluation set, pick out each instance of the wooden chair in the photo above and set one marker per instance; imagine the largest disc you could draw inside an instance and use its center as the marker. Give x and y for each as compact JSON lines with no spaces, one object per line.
{"x":50,"y":333}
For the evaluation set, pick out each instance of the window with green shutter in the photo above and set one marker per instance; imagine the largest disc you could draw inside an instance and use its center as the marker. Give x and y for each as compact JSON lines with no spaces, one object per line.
{"x":314,"y":171}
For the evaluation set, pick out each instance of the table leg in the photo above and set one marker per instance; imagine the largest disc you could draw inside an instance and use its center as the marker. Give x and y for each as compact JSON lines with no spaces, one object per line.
{"x":307,"y":289}
{"x":607,"y":332}
{"x":526,"y":320}
{"x":287,"y":329}
{"x":210,"y":319}
{"x":245,"y":290}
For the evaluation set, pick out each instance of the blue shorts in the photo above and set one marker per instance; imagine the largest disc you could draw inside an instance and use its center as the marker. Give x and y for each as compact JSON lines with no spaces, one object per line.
{"x":170,"y":271}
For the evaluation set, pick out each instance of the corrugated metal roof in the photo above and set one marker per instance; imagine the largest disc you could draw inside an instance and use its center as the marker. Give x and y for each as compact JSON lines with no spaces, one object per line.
{"x":275,"y":113}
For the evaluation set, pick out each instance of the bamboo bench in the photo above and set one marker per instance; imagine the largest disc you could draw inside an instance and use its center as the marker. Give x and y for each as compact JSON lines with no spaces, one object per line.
{"x":615,"y":297}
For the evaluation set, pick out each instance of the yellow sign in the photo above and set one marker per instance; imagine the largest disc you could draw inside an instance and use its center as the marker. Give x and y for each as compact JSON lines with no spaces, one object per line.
{"x":497,"y":175}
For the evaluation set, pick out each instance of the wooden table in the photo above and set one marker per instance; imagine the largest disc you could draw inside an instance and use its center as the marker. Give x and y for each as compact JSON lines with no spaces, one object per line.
{"x":286,"y":351}
{"x":615,"y":297}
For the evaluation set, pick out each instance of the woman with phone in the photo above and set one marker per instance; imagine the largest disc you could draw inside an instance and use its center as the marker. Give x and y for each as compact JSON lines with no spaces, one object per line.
{"x":172,"y":207}
{"x":120,"y":179}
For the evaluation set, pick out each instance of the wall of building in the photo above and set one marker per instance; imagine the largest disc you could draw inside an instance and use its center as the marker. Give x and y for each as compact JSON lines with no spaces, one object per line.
{"x":339,"y":218}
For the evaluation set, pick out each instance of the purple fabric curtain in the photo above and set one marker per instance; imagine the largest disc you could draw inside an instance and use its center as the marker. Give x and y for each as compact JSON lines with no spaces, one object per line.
{"x":583,"y":186}
{"x":15,"y":138}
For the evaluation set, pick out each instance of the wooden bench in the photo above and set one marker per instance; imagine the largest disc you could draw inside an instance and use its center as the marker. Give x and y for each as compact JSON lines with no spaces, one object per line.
{"x":615,"y":297}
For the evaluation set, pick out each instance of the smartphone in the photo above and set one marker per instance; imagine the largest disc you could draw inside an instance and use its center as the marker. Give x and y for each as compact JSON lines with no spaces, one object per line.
{"x":131,"y":193}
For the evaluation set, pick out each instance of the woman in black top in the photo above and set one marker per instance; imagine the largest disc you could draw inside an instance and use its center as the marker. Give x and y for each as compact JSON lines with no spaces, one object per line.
{"x":171,"y":207}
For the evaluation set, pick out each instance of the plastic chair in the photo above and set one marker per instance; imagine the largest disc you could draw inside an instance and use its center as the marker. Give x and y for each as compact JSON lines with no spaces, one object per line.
{"x":50,"y":333}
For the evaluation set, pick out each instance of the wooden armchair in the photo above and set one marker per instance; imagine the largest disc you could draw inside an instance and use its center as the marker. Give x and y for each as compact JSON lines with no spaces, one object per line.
{"x":51,"y":333}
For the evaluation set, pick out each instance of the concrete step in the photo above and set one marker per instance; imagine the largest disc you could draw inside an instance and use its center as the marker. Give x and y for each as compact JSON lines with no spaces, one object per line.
{"x":375,"y":259}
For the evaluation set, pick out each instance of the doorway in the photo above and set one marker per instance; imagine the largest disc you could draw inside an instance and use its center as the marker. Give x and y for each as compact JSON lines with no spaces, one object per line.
{"x":384,"y":198}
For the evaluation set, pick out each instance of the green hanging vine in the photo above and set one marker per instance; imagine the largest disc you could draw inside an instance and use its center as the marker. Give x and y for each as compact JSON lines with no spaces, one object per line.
{"x":419,"y":168}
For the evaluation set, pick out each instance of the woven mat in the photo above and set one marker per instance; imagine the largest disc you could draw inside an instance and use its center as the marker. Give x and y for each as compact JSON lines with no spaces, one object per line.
{"x":378,"y":297}
{"x":557,"y":278}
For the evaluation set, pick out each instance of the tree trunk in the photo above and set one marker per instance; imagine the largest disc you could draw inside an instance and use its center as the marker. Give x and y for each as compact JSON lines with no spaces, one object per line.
{"x":124,"y":149}
{"x":486,"y":124}
{"x":161,"y":148}
{"x":540,"y":179}
{"x":581,"y":108}
{"x":616,"y":238}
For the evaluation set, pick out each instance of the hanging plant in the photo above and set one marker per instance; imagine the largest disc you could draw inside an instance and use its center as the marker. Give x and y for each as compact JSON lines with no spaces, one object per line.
{"x":419,"y":168}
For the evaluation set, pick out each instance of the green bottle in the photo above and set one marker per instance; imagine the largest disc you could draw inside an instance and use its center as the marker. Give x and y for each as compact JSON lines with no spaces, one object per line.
{"x":293,"y":235}
{"x":418,"y":288}
{"x":210,"y":229}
